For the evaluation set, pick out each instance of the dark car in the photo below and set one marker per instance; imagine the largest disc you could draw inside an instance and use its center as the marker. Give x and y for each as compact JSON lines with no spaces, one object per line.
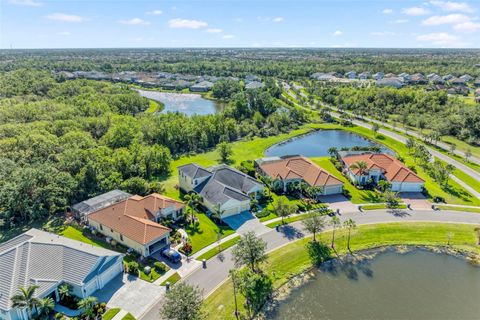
{"x":172,"y":255}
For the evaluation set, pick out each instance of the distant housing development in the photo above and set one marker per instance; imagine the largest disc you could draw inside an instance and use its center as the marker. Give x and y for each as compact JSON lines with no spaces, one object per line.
{"x":221,"y":186}
{"x":294,"y":169}
{"x":133,"y":222}
{"x":49,"y":260}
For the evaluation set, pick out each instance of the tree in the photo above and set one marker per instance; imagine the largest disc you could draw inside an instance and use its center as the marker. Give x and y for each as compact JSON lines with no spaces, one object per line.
{"x":225,"y":151}
{"x":88,"y":305}
{"x":361,"y":167}
{"x":64,"y":291}
{"x":453,"y":147}
{"x":391,"y":199}
{"x":332,"y":151}
{"x":25,"y":300}
{"x":335,"y":223}
{"x":477,"y":232}
{"x":375,"y":128}
{"x":234,"y":274}
{"x":314,"y":223}
{"x":441,"y":172}
{"x":192,"y":200}
{"x":45,"y":306}
{"x":349,"y":224}
{"x":384,"y":185}
{"x":250,"y":250}
{"x":183,"y":302}
{"x":409,"y":143}
{"x":217,"y":212}
{"x":283,"y":209}
{"x":468,"y":154}
{"x":318,"y":252}
{"x":256,"y":288}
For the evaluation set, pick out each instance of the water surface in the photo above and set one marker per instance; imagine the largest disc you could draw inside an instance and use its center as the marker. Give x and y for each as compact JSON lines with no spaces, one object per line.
{"x":188,"y":103}
{"x":317,"y":143}
{"x":416,"y":285}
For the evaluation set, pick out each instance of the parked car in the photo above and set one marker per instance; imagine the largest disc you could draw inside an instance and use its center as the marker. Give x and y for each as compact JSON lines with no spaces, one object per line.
{"x":172,"y":255}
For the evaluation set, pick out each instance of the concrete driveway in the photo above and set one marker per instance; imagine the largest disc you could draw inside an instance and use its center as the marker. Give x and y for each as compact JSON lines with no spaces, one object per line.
{"x":245,"y":222}
{"x":338,"y":201}
{"x":131,"y":294}
{"x":416,"y":200}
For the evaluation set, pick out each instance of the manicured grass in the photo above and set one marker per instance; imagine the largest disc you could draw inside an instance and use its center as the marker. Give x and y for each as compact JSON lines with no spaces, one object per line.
{"x":467,"y":179}
{"x":129,"y":316}
{"x":292,"y":259}
{"x":172,"y":279}
{"x":381,"y":206}
{"x":223,"y":246}
{"x":356,"y":195}
{"x":290,"y":219}
{"x":110,"y":313}
{"x":74,"y":233}
{"x":154,"y":106}
{"x":153,"y":275}
{"x":275,"y":198}
{"x":453,"y":208}
{"x":206,"y":232}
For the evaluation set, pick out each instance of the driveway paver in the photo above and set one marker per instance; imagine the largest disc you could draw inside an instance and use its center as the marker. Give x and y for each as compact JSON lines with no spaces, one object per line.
{"x":339,"y":202}
{"x":245,"y":222}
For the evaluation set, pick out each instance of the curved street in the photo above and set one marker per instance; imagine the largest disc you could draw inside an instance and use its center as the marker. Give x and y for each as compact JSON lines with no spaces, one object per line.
{"x":216,"y":272}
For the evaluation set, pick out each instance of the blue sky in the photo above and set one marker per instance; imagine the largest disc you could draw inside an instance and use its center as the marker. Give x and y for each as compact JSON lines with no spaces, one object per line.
{"x":235,"y":23}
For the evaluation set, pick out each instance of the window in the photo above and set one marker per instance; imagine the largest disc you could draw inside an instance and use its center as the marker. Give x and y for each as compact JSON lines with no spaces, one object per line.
{"x":111,"y":230}
{"x":101,"y":227}
{"x":121,"y":237}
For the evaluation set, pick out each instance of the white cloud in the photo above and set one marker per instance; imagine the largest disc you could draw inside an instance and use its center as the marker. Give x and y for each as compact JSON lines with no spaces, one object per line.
{"x":30,"y":3}
{"x":441,"y":39}
{"x":399,"y":21}
{"x":337,"y":33}
{"x":155,"y":12}
{"x":66,"y":17}
{"x":228,"y":36}
{"x":387,"y":11}
{"x":214,"y":30}
{"x":382,"y":33}
{"x":278,"y":19}
{"x":415,"y":11}
{"x":134,"y":22}
{"x":453,"y":6}
{"x":64,"y":33}
{"x":186,"y":24}
{"x":468,"y":26}
{"x":454,"y":18}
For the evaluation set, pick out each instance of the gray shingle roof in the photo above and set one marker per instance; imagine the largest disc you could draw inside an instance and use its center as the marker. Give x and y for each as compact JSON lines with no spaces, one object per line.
{"x":45,"y":259}
{"x":194,"y":171}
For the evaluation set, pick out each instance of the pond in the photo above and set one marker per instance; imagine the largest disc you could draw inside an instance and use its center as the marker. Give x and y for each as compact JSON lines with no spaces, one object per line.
{"x":187,"y":103}
{"x":415,"y":285}
{"x":317,"y":143}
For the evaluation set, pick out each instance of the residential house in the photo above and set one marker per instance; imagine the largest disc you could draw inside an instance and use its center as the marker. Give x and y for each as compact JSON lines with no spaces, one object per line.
{"x":476,"y":83}
{"x":364,"y":75}
{"x":418,"y":78}
{"x":133,"y":222}
{"x":295,"y":169}
{"x":457,"y":82}
{"x":379,"y":75}
{"x":382,"y":166}
{"x":252,"y":78}
{"x":390,"y":82}
{"x":254,"y":85}
{"x":176,"y":85}
{"x":82,"y":209}
{"x":390,"y":75}
{"x":48,"y":260}
{"x":351,"y":75}
{"x":466,"y":77}
{"x":203,"y":86}
{"x":220,"y":186}
{"x":405,"y":76}
{"x":448,"y":77}
{"x":432,"y":75}
{"x":436,"y":79}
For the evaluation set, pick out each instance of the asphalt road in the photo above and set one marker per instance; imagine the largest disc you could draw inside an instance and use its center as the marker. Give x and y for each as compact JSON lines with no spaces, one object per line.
{"x":217,"y":269}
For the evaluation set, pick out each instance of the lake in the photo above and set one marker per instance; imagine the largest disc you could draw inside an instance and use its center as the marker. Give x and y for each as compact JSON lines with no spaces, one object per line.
{"x":317,"y":143}
{"x":416,"y":285}
{"x":188,"y":103}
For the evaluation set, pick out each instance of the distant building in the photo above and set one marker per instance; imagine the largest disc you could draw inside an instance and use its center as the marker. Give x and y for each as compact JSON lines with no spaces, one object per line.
{"x":48,"y":261}
{"x":476,"y":83}
{"x":418,"y":78}
{"x":378,"y":75}
{"x":466,"y":77}
{"x":82,"y":209}
{"x":203,"y":86}
{"x":254,"y":85}
{"x":405,"y":76}
{"x":351,"y":75}
{"x":390,"y":82}
{"x":457,"y":81}
{"x":364,"y":75}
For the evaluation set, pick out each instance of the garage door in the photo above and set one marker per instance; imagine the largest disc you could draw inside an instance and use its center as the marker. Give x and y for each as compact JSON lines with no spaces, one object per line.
{"x":410,"y":187}
{"x":333,"y":190}
{"x":111,"y":273}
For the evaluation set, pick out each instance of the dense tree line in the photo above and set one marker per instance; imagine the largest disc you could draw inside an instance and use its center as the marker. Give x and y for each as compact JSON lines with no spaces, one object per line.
{"x":415,"y":107}
{"x":61,"y":142}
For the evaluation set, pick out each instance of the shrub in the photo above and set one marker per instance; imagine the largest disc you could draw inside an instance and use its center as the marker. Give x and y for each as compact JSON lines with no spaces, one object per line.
{"x":438,"y":199}
{"x":58,"y":315}
{"x":133,"y":268}
{"x":262,"y":214}
{"x":159,"y":267}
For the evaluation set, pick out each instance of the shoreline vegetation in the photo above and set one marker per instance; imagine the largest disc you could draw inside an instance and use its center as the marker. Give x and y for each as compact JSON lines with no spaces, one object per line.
{"x":291,"y":260}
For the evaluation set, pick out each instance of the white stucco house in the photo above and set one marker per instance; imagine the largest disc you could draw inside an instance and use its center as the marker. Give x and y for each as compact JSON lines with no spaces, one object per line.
{"x":382,"y":166}
{"x":48,"y":260}
{"x":221,"y":186}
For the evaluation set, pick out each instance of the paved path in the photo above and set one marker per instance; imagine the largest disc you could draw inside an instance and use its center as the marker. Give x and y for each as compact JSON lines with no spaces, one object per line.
{"x":216,"y":273}
{"x":119,"y":316}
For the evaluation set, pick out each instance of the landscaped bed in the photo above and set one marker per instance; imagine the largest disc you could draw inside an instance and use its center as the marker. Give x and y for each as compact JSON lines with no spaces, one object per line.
{"x":157,"y":268}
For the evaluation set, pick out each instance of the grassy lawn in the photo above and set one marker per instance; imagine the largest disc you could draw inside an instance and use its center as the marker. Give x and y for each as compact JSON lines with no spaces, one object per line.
{"x":290,"y":219}
{"x":153,"y":275}
{"x":129,"y":316}
{"x":205,"y":232}
{"x":453,"y":208}
{"x":293,"y":259}
{"x":467,"y":179}
{"x":74,"y":233}
{"x":154,"y":106}
{"x":110,"y":313}
{"x":276,"y":198}
{"x":381,"y":206}
{"x":172,"y":279}
{"x":223,"y":246}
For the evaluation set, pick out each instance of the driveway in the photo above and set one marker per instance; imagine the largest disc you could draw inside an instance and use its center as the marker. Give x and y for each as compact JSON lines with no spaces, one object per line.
{"x":416,"y":200}
{"x":339,"y":202}
{"x":245,"y":222}
{"x":131,"y":294}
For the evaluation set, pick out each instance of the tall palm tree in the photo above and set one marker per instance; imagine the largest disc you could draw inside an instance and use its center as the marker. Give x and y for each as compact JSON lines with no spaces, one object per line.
{"x":349,"y":224}
{"x":217,"y":212}
{"x":25,"y":299}
{"x":64,"y":291}
{"x":361,"y":167}
{"x":88,"y":304}
{"x":45,"y":307}
{"x":192,"y":200}
{"x":335,"y":222}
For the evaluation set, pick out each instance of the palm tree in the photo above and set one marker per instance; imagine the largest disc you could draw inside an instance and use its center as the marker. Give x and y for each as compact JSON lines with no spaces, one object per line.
{"x":45,"y":307}
{"x":335,"y":222}
{"x":26,"y":299}
{"x":88,"y":304}
{"x":217,"y":212}
{"x":332,"y":151}
{"x":192,"y":200}
{"x":64,"y":291}
{"x":349,"y":224}
{"x":361,"y":167}
{"x":477,"y":232}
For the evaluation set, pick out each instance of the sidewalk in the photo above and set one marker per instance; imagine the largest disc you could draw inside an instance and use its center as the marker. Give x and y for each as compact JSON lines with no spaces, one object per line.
{"x":119,"y":316}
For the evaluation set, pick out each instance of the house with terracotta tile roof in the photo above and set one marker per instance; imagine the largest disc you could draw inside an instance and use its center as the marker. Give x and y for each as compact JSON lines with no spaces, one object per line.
{"x":133,"y":222}
{"x":295,"y":169}
{"x":382,"y":166}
